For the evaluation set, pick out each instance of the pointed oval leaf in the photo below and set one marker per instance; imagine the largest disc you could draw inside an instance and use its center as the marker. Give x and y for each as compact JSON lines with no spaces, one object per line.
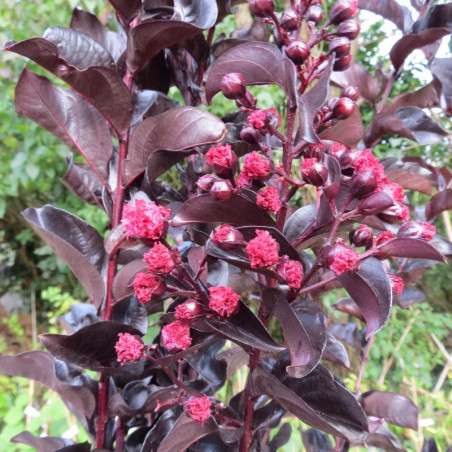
{"x":76,"y":242}
{"x":439,"y":203}
{"x":383,"y":124}
{"x":336,"y":352}
{"x":202,"y":13}
{"x":371,"y":290}
{"x":390,"y":9}
{"x":162,"y":160}
{"x":100,"y":86}
{"x":126,"y":9}
{"x":384,"y":439}
{"x":300,"y":221}
{"x":442,"y":69}
{"x":47,"y":444}
{"x":350,"y":131}
{"x":436,"y":16}
{"x":303,"y":326}
{"x":394,"y":408}
{"x":66,"y":115}
{"x":414,"y":248}
{"x":123,"y":282}
{"x":316,"y":441}
{"x":190,"y":127}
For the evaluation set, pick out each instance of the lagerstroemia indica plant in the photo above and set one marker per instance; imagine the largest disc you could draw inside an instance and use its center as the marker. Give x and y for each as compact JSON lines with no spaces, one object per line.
{"x":232,"y":246}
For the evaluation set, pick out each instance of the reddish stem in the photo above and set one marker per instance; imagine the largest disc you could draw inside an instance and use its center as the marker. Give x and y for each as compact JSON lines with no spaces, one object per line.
{"x":363,"y":363}
{"x":102,"y":417}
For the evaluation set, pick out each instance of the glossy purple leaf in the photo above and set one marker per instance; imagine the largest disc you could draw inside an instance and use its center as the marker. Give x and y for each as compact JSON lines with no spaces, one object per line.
{"x":391,"y":10}
{"x":317,"y":399}
{"x":405,"y":45}
{"x":316,"y":441}
{"x":410,"y":296}
{"x":260,"y":63}
{"x":92,"y":347}
{"x":300,"y":221}
{"x":46,"y":444}
{"x":442,"y":69}
{"x":68,"y":116}
{"x":303,"y":326}
{"x":202,"y":13}
{"x":371,"y":290}
{"x":83,"y":182}
{"x":190,"y":127}
{"x":150,"y":103}
{"x":100,"y":86}
{"x":76,"y":242}
{"x":40,"y":367}
{"x":149,"y":38}
{"x":126,"y":9}
{"x":161,"y":161}
{"x":185,"y":432}
{"x":348,"y":306}
{"x":281,"y":438}
{"x":394,"y":408}
{"x":311,"y":102}
{"x":335,"y":352}
{"x":385,"y":439}
{"x":439,"y":203}
{"x":429,"y":445}
{"x":437,"y":16}
{"x":383,"y":124}
{"x":82,"y":447}
{"x":237,"y":211}
{"x":414,"y":248}
{"x":131,"y":312}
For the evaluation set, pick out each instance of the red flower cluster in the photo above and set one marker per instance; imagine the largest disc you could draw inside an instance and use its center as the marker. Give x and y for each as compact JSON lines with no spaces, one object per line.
{"x":263,"y":250}
{"x":148,"y":287}
{"x":290,"y":272}
{"x":269,"y":199}
{"x":337,"y":149}
{"x":176,"y":336}
{"x":396,"y":283}
{"x":257,"y":119}
{"x":188,"y":310}
{"x":129,"y":348}
{"x":199,"y":408}
{"x":344,"y":260}
{"x":395,"y":191}
{"x":220,"y":155}
{"x":223,"y":300}
{"x":417,"y":230}
{"x":144,"y":219}
{"x":256,"y":167}
{"x":384,"y":237}
{"x":159,"y":259}
{"x":227,"y":237}
{"x":428,"y":231}
{"x":366,"y":161}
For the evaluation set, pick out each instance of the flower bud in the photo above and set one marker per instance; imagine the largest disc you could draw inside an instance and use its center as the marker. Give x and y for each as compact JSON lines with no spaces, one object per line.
{"x":289,"y":272}
{"x":298,"y":51}
{"x":289,"y":20}
{"x":347,"y":158}
{"x":314,"y":14}
{"x":395,"y":213}
{"x":233,"y":86}
{"x":343,"y":63}
{"x":342,"y":259}
{"x":227,"y":237}
{"x":349,"y":29}
{"x":313,"y":172}
{"x":384,"y":237}
{"x":363,"y":183}
{"x":221,"y":190}
{"x":343,"y":109}
{"x":351,"y":92}
{"x":250,"y":135}
{"x":375,"y":203}
{"x":262,"y":8}
{"x":204,"y":183}
{"x":340,"y":46}
{"x":247,"y":102}
{"x":343,"y":10}
{"x":223,"y":160}
{"x":361,"y":236}
{"x":189,"y":310}
{"x":333,"y":102}
{"x":417,"y":230}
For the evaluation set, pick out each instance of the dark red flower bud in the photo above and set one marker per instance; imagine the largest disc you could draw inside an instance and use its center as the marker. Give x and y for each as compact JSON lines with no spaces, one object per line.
{"x":221,"y":190}
{"x":189,"y":310}
{"x":342,"y":259}
{"x":375,"y":203}
{"x":248,"y":101}
{"x":289,"y":272}
{"x":340,"y":46}
{"x":343,"y":63}
{"x":414,"y":230}
{"x":361,"y":236}
{"x":363,"y":183}
{"x":384,"y":237}
{"x":347,"y":158}
{"x":233,"y":86}
{"x":344,"y":108}
{"x":343,"y":10}
{"x":395,"y":213}
{"x":227,"y":237}
{"x":313,"y":172}
{"x":349,"y":28}
{"x":351,"y":92}
{"x":289,"y":20}
{"x":314,"y":14}
{"x":333,"y":102}
{"x":250,"y":135}
{"x":204,"y":183}
{"x":298,"y":51}
{"x":223,"y":160}
{"x":262,"y":8}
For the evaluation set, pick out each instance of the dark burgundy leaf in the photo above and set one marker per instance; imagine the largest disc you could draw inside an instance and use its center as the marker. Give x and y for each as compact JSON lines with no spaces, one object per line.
{"x":442,"y":245}
{"x":132,"y":313}
{"x":237,"y":211}
{"x":300,"y":221}
{"x":160,"y":429}
{"x":409,"y":296}
{"x":384,"y":439}
{"x":185,"y":432}
{"x":350,"y":131}
{"x":268,"y":416}
{"x":123,"y":282}
{"x":390,"y":9}
{"x":442,"y":69}
{"x":76,"y":242}
{"x":348,"y":306}
{"x":259,"y":31}
{"x":100,"y":86}
{"x":47,"y":444}
{"x":150,"y":103}
{"x":40,"y":367}
{"x":437,"y":16}
{"x":281,"y":437}
{"x":190,"y":127}
{"x":149,"y":38}
{"x":317,"y":399}
{"x":126,"y":9}
{"x":68,"y":116}
{"x":371,"y":290}
{"x":394,"y":408}
{"x":358,"y":76}
{"x":202,"y":13}
{"x":335,"y":352}
{"x":161,"y":161}
{"x":383,"y":124}
{"x":78,"y":48}
{"x":80,"y":315}
{"x":414,"y":248}
{"x":439,"y":203}
{"x":83,"y":182}
{"x":311,"y":102}
{"x":83,"y":447}
{"x":405,"y":45}
{"x":429,"y":445}
{"x":316,"y":441}
{"x":347,"y":332}
{"x":303,"y":326}
{"x":92,"y":347}
{"x":260,"y":63}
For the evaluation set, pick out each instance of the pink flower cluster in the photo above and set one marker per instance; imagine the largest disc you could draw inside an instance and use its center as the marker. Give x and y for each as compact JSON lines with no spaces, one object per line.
{"x":176,"y":336}
{"x":223,"y":300}
{"x":148,"y":286}
{"x":396,"y":283}
{"x":290,"y":272}
{"x":159,"y":260}
{"x":343,"y":259}
{"x":199,"y":408}
{"x":221,"y":155}
{"x":129,"y":348}
{"x":269,"y":199}
{"x":256,"y":167}
{"x":263,"y":250}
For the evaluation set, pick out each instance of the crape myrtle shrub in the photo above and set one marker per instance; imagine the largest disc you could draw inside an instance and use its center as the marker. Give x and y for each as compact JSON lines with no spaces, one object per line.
{"x":230,"y":247}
